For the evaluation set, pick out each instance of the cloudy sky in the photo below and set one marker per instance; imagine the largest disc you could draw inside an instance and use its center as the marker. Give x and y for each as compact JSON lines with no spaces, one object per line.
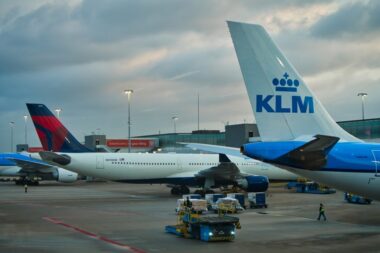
{"x":80,"y":55}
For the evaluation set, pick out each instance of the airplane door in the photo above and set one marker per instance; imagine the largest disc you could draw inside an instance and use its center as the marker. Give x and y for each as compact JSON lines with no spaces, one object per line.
{"x":179,"y":164}
{"x":376,"y":155}
{"x":99,"y":162}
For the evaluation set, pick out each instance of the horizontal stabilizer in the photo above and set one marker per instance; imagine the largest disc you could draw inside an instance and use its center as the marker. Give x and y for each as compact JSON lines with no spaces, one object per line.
{"x":311,"y":155}
{"x":55,"y":158}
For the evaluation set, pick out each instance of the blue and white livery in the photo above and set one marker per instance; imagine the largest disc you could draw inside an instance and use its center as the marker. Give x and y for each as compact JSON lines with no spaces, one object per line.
{"x":30,"y":171}
{"x":297,"y":132}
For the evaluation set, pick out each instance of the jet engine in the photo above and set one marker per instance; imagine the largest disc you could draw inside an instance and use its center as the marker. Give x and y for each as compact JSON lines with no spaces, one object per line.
{"x":65,"y":176}
{"x":254,"y":183}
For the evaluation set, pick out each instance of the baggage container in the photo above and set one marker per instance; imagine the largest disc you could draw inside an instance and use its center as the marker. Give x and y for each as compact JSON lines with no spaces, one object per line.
{"x":356,"y":199}
{"x":257,"y":200}
{"x":212,"y":198}
{"x":227,"y":205}
{"x":192,"y":196}
{"x":197,"y":205}
{"x":239,"y":196}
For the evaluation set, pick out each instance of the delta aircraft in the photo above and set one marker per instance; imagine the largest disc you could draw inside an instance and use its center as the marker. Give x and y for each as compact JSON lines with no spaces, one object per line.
{"x":178,"y":170}
{"x":296,"y":131}
{"x":30,"y":171}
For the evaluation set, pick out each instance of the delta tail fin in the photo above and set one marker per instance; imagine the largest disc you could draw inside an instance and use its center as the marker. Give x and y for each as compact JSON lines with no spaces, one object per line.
{"x":284,"y":107}
{"x":53,"y":135}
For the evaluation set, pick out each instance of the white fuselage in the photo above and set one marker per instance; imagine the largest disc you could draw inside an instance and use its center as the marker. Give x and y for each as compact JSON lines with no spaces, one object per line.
{"x":364,"y":184}
{"x":151,"y":166}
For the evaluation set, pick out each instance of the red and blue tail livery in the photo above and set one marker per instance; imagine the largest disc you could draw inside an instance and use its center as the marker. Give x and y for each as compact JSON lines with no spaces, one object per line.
{"x":53,"y":135}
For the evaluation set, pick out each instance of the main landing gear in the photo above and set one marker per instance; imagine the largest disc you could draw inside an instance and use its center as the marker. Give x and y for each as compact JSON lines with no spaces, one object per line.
{"x":180,"y":190}
{"x":183,"y":189}
{"x":27,"y":181}
{"x":202,"y":192}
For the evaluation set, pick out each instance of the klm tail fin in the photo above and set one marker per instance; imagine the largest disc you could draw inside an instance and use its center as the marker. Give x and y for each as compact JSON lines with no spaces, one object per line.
{"x":284,"y":107}
{"x":53,"y":135}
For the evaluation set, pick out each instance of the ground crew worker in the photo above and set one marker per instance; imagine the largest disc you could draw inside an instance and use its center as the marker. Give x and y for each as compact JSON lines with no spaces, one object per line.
{"x":26,"y":188}
{"x":188,"y":203}
{"x":321,"y":212}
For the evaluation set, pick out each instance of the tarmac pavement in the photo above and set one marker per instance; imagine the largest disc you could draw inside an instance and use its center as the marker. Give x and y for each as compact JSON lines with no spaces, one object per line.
{"x":115,"y":217}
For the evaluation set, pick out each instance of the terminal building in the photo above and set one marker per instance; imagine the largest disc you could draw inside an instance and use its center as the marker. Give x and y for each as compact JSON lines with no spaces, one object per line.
{"x":96,"y":142}
{"x":239,"y":134}
{"x":234,"y":136}
{"x":367,"y":130}
{"x":169,"y":142}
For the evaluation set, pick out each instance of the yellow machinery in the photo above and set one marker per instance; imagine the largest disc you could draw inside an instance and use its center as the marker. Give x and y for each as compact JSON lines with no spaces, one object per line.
{"x":205,"y":228}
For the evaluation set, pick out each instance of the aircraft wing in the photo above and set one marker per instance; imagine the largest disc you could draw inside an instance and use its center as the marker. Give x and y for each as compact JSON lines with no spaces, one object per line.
{"x":52,"y":157}
{"x":183,"y":175}
{"x":30,"y":165}
{"x":216,"y":149}
{"x":311,"y":155}
{"x":225,"y":170}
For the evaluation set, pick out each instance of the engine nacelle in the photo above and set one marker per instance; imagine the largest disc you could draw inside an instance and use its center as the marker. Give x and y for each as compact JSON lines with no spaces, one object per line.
{"x":66,"y":176}
{"x":254,"y":183}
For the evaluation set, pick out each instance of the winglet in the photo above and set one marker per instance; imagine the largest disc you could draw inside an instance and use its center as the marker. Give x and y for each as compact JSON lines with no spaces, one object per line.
{"x":224,"y":158}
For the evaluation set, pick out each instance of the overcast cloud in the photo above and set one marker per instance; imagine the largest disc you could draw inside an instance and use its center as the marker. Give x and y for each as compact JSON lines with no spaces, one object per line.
{"x":80,"y":56}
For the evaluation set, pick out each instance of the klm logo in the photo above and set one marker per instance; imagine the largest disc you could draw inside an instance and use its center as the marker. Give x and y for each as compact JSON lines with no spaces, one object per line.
{"x":276,"y":103}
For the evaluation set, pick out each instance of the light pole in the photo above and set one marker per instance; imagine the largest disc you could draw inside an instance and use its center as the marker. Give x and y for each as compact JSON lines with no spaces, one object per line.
{"x":129,"y":93}
{"x":58,"y":110}
{"x":198,"y":111}
{"x":11,"y":124}
{"x":362,"y":95}
{"x":175,"y":118}
{"x":225,"y":124}
{"x":26,"y":129}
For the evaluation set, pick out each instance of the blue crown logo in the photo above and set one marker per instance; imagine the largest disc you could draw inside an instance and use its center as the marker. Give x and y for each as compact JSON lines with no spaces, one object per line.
{"x":285,"y":84}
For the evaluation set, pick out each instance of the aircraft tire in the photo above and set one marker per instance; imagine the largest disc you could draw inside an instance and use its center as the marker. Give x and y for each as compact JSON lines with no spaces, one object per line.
{"x":184,"y":189}
{"x":175,"y":191}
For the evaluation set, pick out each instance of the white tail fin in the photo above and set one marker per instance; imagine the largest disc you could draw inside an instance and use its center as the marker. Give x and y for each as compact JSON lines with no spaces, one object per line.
{"x":284,"y":107}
